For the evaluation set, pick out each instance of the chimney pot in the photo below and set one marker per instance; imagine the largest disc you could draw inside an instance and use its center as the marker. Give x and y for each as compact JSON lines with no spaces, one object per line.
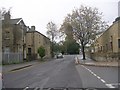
{"x":33,"y":28}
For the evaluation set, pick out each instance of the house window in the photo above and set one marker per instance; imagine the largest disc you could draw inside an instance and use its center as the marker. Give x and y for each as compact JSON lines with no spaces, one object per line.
{"x":101,"y":48}
{"x":119,"y":43}
{"x":111,"y":45}
{"x":7,"y":49}
{"x":7,"y":32}
{"x":29,"y":51}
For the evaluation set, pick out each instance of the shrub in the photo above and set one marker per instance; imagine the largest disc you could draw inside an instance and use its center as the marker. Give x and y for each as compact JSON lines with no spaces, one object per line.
{"x":41,"y":52}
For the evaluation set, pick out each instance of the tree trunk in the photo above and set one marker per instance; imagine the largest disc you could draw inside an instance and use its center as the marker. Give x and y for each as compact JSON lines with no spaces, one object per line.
{"x":83,"y":51}
{"x":52,"y":50}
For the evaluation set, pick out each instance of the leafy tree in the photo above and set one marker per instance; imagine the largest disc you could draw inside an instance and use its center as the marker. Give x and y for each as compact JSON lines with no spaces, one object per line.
{"x":86,"y":24}
{"x":56,"y":47}
{"x":41,"y":52}
{"x":66,"y":31}
{"x":71,"y":47}
{"x":52,"y":34}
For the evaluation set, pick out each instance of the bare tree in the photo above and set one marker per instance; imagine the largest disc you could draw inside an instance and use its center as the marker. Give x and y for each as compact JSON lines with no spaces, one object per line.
{"x":2,"y":12}
{"x":87,"y":24}
{"x":52,"y":31}
{"x":52,"y":34}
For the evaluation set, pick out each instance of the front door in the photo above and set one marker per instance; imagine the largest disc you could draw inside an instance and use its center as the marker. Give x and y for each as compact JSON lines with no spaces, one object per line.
{"x":29,"y":54}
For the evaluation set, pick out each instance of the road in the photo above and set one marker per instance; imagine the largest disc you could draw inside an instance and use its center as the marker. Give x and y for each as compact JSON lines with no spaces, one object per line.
{"x":62,"y":73}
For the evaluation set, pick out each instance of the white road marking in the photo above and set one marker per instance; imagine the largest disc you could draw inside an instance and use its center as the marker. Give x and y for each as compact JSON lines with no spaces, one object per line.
{"x":103,"y":81}
{"x":108,"y":85}
{"x":92,"y":72}
{"x":89,"y":70}
{"x":25,"y":88}
{"x":95,"y":75}
{"x":37,"y":88}
{"x":98,"y":77}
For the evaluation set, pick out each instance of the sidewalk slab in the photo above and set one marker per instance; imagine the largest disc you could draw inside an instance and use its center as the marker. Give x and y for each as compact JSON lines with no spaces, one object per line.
{"x":91,"y":62}
{"x":114,"y":64}
{"x":7,"y":68}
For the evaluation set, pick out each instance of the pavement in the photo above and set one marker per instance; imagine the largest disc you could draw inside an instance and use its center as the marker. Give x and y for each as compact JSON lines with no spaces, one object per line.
{"x":91,"y":62}
{"x":12,"y":67}
{"x":8,"y":68}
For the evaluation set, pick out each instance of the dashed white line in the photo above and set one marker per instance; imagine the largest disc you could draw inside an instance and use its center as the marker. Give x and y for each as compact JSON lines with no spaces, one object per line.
{"x":98,"y":77}
{"x":108,"y":85}
{"x":103,"y":81}
{"x":92,"y":72}
{"x":95,"y":75}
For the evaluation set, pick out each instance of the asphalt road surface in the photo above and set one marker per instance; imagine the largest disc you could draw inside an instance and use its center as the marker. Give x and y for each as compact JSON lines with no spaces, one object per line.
{"x":62,"y":73}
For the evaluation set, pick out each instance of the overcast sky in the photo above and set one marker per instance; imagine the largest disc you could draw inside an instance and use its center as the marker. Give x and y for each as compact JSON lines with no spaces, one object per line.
{"x":40,"y":12}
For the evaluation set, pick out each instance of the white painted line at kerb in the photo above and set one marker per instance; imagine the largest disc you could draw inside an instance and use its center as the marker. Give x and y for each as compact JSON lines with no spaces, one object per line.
{"x":25,"y":88}
{"x":108,"y":85}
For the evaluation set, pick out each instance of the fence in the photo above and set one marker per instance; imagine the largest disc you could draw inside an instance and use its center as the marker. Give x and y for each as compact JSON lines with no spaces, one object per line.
{"x":9,"y":58}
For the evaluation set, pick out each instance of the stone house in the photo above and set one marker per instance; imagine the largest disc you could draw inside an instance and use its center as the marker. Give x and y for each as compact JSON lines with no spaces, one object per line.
{"x":107,"y":46}
{"x":13,"y":36}
{"x":34,"y":40}
{"x":19,"y":42}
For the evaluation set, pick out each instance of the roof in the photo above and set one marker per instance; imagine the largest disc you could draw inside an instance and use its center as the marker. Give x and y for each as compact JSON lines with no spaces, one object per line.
{"x":117,"y":19}
{"x":29,"y":31}
{"x":15,"y":21}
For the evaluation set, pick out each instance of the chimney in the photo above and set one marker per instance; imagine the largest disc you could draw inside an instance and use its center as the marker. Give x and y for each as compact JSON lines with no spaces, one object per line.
{"x":7,"y":16}
{"x":32,"y":28}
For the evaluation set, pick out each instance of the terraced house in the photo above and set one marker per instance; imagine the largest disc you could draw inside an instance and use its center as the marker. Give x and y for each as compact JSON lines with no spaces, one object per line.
{"x":19,"y":42}
{"x":34,"y":40}
{"x":107,"y":46}
{"x":13,"y":39}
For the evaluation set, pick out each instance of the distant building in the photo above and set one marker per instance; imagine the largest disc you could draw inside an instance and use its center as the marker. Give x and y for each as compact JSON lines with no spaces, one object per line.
{"x":107,"y":46}
{"x":34,"y":40}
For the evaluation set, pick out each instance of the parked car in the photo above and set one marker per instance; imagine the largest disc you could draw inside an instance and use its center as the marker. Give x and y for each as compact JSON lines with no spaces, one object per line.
{"x":59,"y":55}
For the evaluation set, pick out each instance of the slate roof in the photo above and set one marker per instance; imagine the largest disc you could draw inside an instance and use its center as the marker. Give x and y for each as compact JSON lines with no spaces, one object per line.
{"x":15,"y":21}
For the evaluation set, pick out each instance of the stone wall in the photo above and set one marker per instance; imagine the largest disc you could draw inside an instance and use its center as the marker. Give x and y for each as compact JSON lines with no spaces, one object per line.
{"x":105,"y":56}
